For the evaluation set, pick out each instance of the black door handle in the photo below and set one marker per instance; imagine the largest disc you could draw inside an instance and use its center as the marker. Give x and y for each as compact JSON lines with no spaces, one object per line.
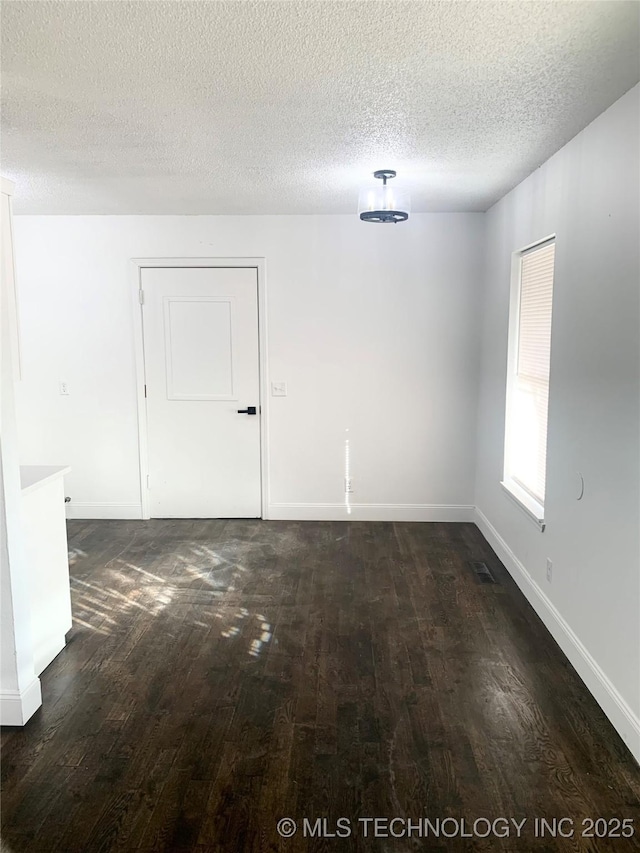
{"x":250,"y":410}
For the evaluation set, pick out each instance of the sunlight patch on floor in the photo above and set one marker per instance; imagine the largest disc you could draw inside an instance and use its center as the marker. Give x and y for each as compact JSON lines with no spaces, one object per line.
{"x":97,"y":608}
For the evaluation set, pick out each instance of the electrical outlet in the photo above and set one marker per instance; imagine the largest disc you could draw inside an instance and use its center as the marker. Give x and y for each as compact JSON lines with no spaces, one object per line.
{"x":278,"y":389}
{"x":64,"y":389}
{"x":348,"y":485}
{"x":549,"y":570}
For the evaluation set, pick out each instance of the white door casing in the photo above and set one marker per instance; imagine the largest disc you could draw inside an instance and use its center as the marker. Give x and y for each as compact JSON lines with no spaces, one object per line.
{"x":201,"y":364}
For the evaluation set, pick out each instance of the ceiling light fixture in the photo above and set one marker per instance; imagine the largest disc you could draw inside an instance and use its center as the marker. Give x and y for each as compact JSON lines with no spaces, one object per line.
{"x":384,"y":203}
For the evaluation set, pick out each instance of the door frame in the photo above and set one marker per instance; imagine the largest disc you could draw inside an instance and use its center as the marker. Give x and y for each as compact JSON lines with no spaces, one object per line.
{"x":137,"y":265}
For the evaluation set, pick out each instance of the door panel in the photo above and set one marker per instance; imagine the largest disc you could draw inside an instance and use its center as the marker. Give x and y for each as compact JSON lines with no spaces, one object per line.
{"x":199,"y":348}
{"x":200,"y":329}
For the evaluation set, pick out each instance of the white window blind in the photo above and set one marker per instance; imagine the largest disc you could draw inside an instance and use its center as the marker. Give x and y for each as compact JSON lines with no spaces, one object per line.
{"x":529,"y":388}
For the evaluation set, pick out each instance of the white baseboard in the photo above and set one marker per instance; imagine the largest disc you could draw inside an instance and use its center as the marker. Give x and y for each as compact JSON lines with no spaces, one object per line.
{"x":16,"y":707}
{"x":103,"y":509}
{"x":621,"y":716}
{"x":302,"y":511}
{"x":369,"y":512}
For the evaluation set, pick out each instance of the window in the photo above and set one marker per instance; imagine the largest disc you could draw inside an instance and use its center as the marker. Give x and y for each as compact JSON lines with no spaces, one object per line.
{"x":525,"y":459}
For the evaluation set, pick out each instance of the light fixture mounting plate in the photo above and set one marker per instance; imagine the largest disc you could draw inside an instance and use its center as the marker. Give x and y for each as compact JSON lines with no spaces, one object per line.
{"x":384,"y":174}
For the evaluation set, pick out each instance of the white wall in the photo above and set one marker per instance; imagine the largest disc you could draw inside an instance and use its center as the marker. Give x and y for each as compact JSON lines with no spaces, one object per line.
{"x":373,"y":328}
{"x":20,"y":693}
{"x":587,"y":194}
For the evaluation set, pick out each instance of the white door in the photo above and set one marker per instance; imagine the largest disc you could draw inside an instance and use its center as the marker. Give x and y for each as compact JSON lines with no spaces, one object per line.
{"x":200,"y":329}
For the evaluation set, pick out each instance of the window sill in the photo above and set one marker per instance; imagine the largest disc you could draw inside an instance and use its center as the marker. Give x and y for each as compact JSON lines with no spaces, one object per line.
{"x":531,"y":508}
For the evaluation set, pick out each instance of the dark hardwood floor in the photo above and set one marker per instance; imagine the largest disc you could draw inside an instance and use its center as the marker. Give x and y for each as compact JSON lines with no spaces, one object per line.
{"x":222,"y":675}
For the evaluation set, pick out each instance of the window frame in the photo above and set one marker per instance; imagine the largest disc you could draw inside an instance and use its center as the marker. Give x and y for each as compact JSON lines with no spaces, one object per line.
{"x":522,"y":498}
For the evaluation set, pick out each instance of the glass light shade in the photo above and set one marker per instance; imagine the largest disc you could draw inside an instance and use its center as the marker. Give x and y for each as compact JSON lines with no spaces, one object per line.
{"x":384,"y":203}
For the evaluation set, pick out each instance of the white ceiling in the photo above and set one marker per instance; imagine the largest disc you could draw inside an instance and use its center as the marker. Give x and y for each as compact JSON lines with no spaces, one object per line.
{"x":287,"y":107}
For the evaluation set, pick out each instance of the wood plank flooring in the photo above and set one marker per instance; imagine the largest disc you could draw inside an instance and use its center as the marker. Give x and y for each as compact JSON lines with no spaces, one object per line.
{"x":222,"y":675}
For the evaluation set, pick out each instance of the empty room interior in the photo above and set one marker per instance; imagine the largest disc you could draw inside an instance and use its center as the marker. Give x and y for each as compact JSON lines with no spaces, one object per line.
{"x":320,"y":426}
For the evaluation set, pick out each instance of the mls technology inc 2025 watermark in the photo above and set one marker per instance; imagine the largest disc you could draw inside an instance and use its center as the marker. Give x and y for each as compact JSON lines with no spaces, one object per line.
{"x":451,"y":827}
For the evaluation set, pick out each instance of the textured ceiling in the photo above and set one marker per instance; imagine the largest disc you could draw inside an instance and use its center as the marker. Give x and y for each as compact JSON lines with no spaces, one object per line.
{"x":287,"y":107}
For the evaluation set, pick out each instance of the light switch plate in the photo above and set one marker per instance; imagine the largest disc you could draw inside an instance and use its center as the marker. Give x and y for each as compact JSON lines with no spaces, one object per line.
{"x":278,"y":389}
